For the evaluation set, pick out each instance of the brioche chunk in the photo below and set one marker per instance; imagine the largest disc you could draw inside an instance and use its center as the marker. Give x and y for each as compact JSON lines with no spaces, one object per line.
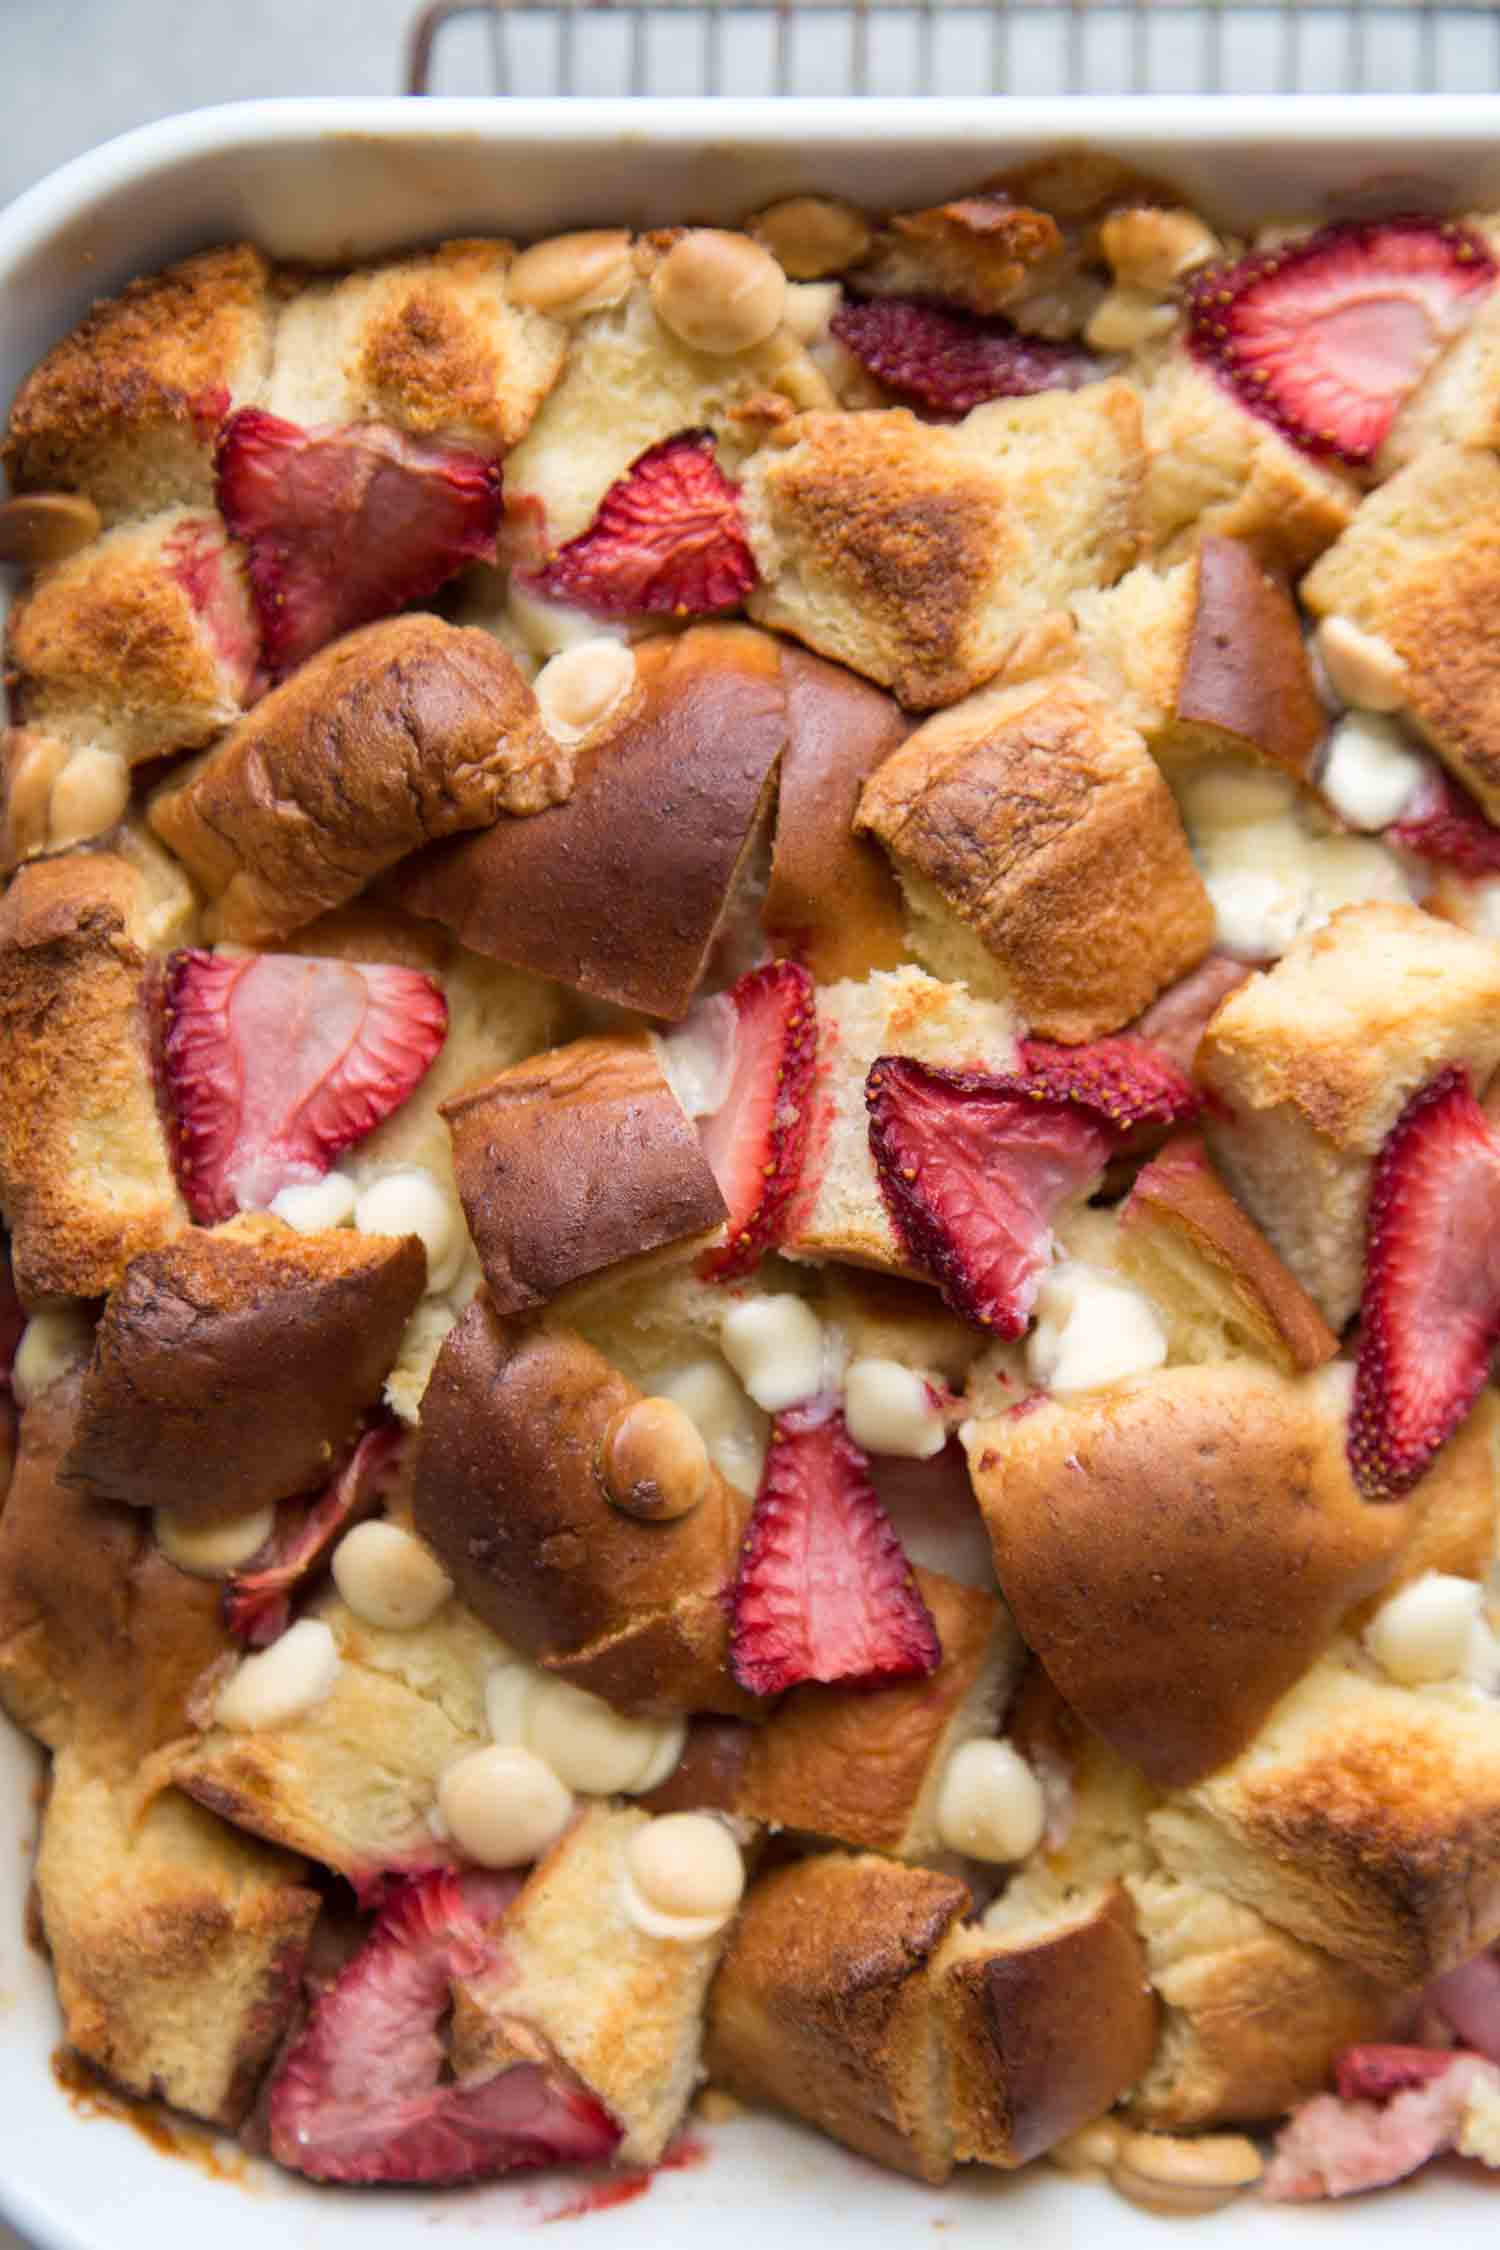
{"x":399,"y":733}
{"x":1420,"y":566}
{"x":432,"y":344}
{"x":1042,"y":857}
{"x":921,"y":555}
{"x":177,"y":1945}
{"x":1312,"y":1063}
{"x":126,"y":407}
{"x":85,"y":1178}
{"x":1205,"y":1508}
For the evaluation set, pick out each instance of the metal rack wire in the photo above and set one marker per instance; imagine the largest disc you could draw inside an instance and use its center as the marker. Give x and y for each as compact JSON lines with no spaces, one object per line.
{"x":608,"y":47}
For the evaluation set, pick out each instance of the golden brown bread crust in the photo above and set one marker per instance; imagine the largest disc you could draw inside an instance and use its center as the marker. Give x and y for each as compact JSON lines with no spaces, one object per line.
{"x":507,"y":1493}
{"x":1246,"y":684}
{"x":1044,"y":825}
{"x":396,"y":734}
{"x":621,"y":891}
{"x":821,"y":2005}
{"x":231,"y":1369}
{"x":573,"y":1161}
{"x":1046,"y":2027}
{"x":177,"y":1945}
{"x":980,"y":251}
{"x":1207,"y":1512}
{"x":85,"y":1177}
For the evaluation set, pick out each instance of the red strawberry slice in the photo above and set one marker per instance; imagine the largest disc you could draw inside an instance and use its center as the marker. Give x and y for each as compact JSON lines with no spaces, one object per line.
{"x":258,"y":1599}
{"x":824,"y":1590}
{"x":211,"y":573}
{"x":275,"y":1064}
{"x":1329,"y":336}
{"x":361,"y":2096}
{"x":1443,"y":823}
{"x":949,"y":360}
{"x":1430,"y":1310}
{"x":1332,"y":2147}
{"x":1374,"y":2073}
{"x":755,"y":1142}
{"x":347,"y":522}
{"x":668,"y":539}
{"x":972,"y":1169}
{"x":1127,"y":1081}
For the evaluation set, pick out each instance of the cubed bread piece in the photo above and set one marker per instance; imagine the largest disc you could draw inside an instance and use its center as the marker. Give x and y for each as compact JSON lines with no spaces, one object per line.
{"x":507,"y":1493}
{"x":880,"y":1316}
{"x":1311,"y":1064}
{"x":822,"y":2005}
{"x":232,"y":1369}
{"x":177,"y":1945}
{"x":1253,"y":2019}
{"x":399,"y":733}
{"x":1459,"y":402}
{"x":1419,"y":566}
{"x":1047,"y":2020}
{"x":623,"y":2010}
{"x":709,"y":1775}
{"x":1205,"y":1511}
{"x":1205,"y":658}
{"x":573,"y":1162}
{"x":127,"y":406}
{"x":1206,"y":1264}
{"x":1364,"y":1818}
{"x":430,"y":343}
{"x":1453,"y":1513}
{"x":831,"y":900}
{"x":980,"y":252}
{"x":102,"y":1641}
{"x":839,"y":1211}
{"x":1042,"y":857}
{"x":1215,"y":469}
{"x":622,"y":891}
{"x":921,"y":555}
{"x":865,"y":1766}
{"x":140,"y":644}
{"x":85,"y":1177}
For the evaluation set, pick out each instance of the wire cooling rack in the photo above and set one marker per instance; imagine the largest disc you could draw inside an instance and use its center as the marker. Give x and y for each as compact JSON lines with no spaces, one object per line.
{"x":605,"y":47}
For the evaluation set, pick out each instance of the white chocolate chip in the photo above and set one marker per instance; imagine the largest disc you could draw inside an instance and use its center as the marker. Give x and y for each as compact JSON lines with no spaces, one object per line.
{"x":1167,"y":2173}
{"x":51,"y":1343}
{"x":1152,"y":248}
{"x":810,"y":306}
{"x":547,"y":628}
{"x":653,"y":1461}
{"x":890,"y":1409}
{"x":1093,"y":2148}
{"x":684,"y":1877}
{"x":1427,"y":1631}
{"x":388,"y":1578}
{"x":990,"y":1803}
{"x":412,"y":1202}
{"x":595,"y":1749}
{"x":1370,"y":774}
{"x":1362,"y":669}
{"x":731,"y":1427}
{"x":1127,"y":317}
{"x":718,"y":292}
{"x":503,"y":1806}
{"x":577,"y":689}
{"x":212,"y":1550}
{"x":283,"y":1683}
{"x":573,"y":274}
{"x":311,"y":1206}
{"x":507,"y":1696}
{"x":88,"y":796}
{"x":775,"y":1346}
{"x":813,"y":235}
{"x":667,"y":1759}
{"x":697,"y":1059}
{"x":1091,"y":1330}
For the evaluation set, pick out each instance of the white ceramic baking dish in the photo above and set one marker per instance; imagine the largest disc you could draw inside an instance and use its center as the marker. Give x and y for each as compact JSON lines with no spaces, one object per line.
{"x":334,"y":179}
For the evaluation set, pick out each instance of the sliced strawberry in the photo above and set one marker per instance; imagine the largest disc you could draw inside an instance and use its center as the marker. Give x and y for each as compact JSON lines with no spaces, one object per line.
{"x":1127,"y":1081}
{"x":756,"y":1139}
{"x":950,"y":360}
{"x":972,"y":1169}
{"x":275,"y":1064}
{"x":1333,"y":2147}
{"x":361,"y":2096}
{"x":1329,"y":336}
{"x":258,"y":1599}
{"x":211,"y":573}
{"x":824,"y":1589}
{"x":668,"y":539}
{"x":1430,"y":1310}
{"x":1374,"y":2073}
{"x":347,"y":522}
{"x":1444,"y":824}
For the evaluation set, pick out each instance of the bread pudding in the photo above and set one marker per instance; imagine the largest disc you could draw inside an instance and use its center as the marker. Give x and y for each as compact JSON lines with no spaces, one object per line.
{"x":750,"y":1005}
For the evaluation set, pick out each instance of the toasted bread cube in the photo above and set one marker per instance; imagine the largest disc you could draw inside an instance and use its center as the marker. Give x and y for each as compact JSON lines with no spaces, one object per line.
{"x":127,"y":406}
{"x":840,"y":1212}
{"x":1214,"y":469}
{"x":1312,"y":1063}
{"x":1419,"y":567}
{"x":921,"y":556}
{"x":983,"y":252}
{"x":1364,"y":1817}
{"x":177,"y":1945}
{"x":1042,"y":857}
